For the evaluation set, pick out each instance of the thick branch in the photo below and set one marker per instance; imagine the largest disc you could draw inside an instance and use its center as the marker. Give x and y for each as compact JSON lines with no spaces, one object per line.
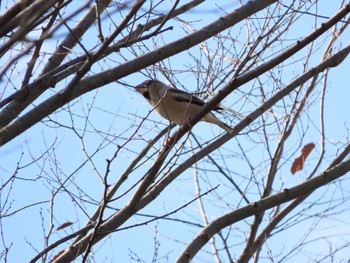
{"x":50,"y":105}
{"x":161,"y":185}
{"x":286,"y":195}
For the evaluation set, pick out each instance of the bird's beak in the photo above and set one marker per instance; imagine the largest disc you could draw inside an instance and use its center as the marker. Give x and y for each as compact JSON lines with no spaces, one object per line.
{"x":142,"y":88}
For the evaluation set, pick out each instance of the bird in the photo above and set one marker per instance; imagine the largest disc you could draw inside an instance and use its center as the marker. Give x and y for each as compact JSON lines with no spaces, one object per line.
{"x":176,"y":105}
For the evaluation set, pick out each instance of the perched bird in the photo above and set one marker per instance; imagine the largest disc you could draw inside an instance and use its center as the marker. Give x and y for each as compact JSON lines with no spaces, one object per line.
{"x":176,"y":105}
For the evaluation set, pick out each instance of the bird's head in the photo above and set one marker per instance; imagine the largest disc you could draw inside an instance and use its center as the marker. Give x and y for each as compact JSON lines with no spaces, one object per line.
{"x":144,"y":87}
{"x":151,"y":88}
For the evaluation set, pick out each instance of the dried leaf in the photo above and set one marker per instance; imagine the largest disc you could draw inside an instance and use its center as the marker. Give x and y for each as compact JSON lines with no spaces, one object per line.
{"x":64,"y":225}
{"x":298,"y":163}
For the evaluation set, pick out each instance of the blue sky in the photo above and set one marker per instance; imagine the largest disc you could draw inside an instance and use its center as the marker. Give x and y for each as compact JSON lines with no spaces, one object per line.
{"x":51,"y":152}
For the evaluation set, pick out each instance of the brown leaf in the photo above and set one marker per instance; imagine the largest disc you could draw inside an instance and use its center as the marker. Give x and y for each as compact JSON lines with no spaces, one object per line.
{"x":64,"y":225}
{"x":298,"y":163}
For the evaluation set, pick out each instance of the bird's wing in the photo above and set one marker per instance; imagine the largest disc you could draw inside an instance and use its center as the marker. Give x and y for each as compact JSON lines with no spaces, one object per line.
{"x":183,"y":96}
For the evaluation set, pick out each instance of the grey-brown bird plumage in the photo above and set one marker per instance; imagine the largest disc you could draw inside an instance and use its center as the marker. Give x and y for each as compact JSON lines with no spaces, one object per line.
{"x":176,"y":105}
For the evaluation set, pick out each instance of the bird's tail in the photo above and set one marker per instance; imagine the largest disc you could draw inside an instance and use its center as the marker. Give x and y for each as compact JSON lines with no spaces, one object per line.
{"x":235,"y":113}
{"x":225,"y":126}
{"x":210,"y":117}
